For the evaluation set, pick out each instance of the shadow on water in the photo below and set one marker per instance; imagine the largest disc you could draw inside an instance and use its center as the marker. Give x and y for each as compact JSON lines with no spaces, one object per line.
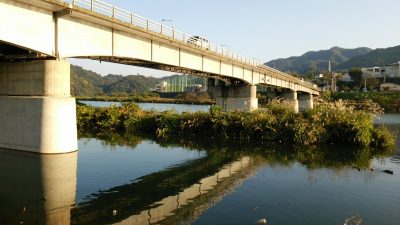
{"x":42,"y":188}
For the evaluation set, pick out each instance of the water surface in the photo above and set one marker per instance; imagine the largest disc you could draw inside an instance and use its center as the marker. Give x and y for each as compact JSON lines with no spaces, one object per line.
{"x":155,"y":106}
{"x":143,"y":180}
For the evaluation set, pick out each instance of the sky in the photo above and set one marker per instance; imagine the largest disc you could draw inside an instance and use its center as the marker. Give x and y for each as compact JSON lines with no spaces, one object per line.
{"x":269,"y":29}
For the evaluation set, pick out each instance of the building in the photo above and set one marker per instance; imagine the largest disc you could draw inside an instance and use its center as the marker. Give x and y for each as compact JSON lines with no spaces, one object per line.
{"x":161,"y":87}
{"x":393,"y":70}
{"x":390,"y":70}
{"x":373,"y":72}
{"x":346,"y":78}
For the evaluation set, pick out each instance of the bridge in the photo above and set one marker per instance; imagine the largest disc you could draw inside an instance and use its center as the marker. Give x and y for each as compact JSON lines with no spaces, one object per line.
{"x":37,"y":112}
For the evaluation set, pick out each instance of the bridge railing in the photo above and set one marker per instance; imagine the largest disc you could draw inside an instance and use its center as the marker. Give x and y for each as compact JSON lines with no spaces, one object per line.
{"x":126,"y":16}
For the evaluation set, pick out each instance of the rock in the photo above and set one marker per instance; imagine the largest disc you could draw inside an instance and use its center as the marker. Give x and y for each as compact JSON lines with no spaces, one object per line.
{"x":262,"y":221}
{"x":388,"y":172}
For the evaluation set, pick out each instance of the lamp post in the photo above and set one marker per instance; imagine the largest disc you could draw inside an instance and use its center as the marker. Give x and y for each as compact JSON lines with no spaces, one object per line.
{"x":170,"y":21}
{"x":222,"y":48}
{"x":172,"y":26}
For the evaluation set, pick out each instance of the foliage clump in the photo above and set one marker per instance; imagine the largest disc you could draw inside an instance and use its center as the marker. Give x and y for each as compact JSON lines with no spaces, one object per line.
{"x":327,"y":123}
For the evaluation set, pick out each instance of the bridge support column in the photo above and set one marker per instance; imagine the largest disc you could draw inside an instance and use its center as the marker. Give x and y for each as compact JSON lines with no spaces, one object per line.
{"x":306,"y":101}
{"x":37,"y":112}
{"x":291,"y":96}
{"x":234,"y":97}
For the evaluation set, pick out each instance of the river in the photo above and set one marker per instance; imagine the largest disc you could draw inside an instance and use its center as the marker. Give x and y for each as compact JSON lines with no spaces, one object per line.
{"x":142,"y":180}
{"x":154,"y":106}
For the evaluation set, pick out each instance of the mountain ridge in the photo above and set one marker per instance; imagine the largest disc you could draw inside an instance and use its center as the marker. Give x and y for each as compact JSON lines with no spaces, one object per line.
{"x":316,"y":61}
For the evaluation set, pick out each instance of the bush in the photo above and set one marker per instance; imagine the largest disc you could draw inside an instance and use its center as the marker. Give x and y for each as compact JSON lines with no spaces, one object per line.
{"x":326,"y":123}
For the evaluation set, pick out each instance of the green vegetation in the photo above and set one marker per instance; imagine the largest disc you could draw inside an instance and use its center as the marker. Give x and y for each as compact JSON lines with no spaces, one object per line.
{"x":390,"y":101}
{"x":325,"y":124}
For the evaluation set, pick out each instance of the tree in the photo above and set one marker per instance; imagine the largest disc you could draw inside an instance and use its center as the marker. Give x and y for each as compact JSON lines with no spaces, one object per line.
{"x":356,"y":75}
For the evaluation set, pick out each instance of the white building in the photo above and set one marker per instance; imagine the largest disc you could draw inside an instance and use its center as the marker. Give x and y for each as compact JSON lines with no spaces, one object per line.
{"x":393,"y":70}
{"x":374,"y":72}
{"x":161,"y":87}
{"x":346,"y":78}
{"x":390,"y":70}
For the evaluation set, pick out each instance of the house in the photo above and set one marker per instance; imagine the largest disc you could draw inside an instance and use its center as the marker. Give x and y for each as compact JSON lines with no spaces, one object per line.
{"x":390,"y":70}
{"x":373,"y":72}
{"x":393,"y":70}
{"x":346,"y":78}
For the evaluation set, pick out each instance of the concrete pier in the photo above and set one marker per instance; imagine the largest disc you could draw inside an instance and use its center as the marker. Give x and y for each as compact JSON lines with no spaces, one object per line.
{"x":234,"y":97}
{"x":306,"y":101}
{"x":37,"y":112}
{"x":291,"y":96}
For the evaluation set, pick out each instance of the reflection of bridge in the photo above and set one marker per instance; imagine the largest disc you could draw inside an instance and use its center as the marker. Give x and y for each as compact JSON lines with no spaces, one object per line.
{"x":35,"y":35}
{"x":196,"y":198}
{"x":176,"y":194}
{"x":42,"y":190}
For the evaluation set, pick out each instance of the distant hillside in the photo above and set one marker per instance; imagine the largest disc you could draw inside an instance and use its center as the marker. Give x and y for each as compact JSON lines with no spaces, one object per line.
{"x":130,"y":84}
{"x":317,"y":61}
{"x":88,"y":83}
{"x":378,"y":57}
{"x":84,"y":82}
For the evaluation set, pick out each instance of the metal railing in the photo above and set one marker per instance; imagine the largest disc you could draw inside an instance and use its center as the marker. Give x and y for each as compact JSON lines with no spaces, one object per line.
{"x":128,"y":17}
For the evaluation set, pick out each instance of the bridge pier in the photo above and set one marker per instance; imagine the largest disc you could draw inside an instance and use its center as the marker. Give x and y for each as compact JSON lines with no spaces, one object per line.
{"x":235,"y":97}
{"x":306,"y":101}
{"x":37,"y":112}
{"x":291,"y":96}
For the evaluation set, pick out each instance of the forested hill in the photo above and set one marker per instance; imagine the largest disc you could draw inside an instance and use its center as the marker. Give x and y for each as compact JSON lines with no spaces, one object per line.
{"x":316,"y":61}
{"x":377,"y":57}
{"x":88,"y":83}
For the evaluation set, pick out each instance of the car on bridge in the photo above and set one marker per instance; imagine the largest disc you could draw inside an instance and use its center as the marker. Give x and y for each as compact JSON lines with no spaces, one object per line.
{"x":199,"y":42}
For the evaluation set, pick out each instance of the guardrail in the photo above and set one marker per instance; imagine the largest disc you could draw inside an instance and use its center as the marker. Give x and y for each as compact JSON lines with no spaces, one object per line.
{"x":128,"y":17}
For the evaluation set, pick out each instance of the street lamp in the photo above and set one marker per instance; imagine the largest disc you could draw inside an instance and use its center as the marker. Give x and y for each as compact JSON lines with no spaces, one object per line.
{"x":168,"y":20}
{"x":172,"y":26}
{"x":225,"y":46}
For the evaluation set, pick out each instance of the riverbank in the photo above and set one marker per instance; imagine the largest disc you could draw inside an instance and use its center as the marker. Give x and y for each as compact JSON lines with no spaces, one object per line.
{"x":183,"y":98}
{"x":389,"y":101}
{"x":325,"y":124}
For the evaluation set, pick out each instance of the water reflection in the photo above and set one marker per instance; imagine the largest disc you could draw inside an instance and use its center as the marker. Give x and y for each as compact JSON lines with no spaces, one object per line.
{"x":37,"y":189}
{"x":180,"y":194}
{"x":41,"y":189}
{"x":172,"y":196}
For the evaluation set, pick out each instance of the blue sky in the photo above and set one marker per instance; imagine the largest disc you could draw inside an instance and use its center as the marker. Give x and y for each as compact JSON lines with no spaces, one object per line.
{"x":270,"y":29}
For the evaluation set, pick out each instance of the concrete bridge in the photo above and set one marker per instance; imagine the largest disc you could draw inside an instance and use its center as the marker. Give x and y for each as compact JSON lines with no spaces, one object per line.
{"x":37,"y":112}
